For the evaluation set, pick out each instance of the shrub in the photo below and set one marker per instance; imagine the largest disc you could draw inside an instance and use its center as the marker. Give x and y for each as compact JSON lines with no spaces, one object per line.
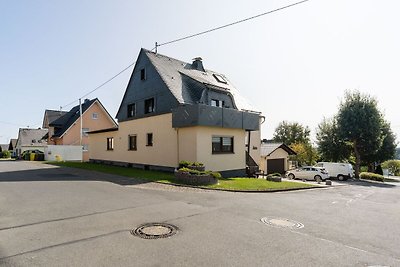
{"x":393,"y":166}
{"x":6,"y":154}
{"x":371,"y":176}
{"x":191,"y":171}
{"x":185,"y":163}
{"x":216,"y":175}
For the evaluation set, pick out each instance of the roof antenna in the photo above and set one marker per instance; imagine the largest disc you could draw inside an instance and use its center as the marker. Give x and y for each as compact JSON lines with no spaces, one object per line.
{"x":156,"y":47}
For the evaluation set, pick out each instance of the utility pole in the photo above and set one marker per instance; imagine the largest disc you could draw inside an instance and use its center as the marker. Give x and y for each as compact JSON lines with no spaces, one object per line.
{"x":80,"y":118}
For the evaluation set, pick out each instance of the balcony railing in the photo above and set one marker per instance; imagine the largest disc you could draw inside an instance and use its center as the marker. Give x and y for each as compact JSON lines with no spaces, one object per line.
{"x":203,"y":115}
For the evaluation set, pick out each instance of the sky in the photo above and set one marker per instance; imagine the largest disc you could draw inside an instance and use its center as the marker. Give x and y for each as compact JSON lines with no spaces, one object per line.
{"x":292,"y":65}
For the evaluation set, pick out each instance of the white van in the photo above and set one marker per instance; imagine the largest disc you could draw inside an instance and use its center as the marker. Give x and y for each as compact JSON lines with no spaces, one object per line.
{"x":341,"y":171}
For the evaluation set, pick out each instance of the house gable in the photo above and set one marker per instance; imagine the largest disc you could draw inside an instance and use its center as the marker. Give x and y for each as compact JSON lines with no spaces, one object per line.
{"x":138,"y":91}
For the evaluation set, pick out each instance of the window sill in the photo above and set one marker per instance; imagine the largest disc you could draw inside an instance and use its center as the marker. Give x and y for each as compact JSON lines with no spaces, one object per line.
{"x":218,"y":153}
{"x":110,"y":149}
{"x":132,"y":149}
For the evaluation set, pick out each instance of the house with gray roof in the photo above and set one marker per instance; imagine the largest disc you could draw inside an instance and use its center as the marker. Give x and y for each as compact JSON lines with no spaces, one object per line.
{"x":30,"y":139}
{"x":172,"y":111}
{"x":64,"y":127}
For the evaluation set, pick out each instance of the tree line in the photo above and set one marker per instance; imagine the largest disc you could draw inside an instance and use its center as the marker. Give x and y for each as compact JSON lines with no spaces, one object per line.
{"x":358,"y":134}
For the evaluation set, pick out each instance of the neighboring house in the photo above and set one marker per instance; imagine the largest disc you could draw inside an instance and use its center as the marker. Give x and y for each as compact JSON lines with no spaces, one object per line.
{"x":65,"y":127}
{"x":3,"y":147}
{"x":50,"y":116}
{"x":173,"y":111}
{"x":30,"y":139}
{"x":275,"y":157}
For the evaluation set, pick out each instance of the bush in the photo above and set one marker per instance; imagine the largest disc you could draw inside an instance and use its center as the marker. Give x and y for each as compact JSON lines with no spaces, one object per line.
{"x":185,"y":163}
{"x":6,"y":154}
{"x":393,"y":166}
{"x":371,"y":176}
{"x":216,"y":175}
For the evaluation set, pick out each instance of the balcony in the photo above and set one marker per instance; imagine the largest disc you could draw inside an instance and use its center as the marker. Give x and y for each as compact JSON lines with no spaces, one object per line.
{"x":203,"y":115}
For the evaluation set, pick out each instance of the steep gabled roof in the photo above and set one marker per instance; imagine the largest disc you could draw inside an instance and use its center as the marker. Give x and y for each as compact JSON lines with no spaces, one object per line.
{"x":3,"y":147}
{"x":172,"y":70}
{"x":28,"y":136}
{"x":52,"y":115}
{"x":186,"y":82}
{"x":65,"y":122}
{"x":268,"y":148}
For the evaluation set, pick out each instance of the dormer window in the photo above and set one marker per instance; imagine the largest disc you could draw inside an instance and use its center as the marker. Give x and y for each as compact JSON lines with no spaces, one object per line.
{"x":219,"y":78}
{"x":143,"y":74}
{"x":217,"y":103}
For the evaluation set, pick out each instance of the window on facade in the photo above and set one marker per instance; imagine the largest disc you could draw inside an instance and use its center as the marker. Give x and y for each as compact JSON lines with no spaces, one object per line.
{"x":85,"y":147}
{"x":221,"y":144}
{"x":131,"y":110}
{"x":217,"y":103}
{"x":149,"y":141}
{"x":143,"y":74}
{"x":132,"y":142}
{"x":110,"y":143}
{"x":85,"y":131}
{"x":149,"y":105}
{"x":95,"y":116}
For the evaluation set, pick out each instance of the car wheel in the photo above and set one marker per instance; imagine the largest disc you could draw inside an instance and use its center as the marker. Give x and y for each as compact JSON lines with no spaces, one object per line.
{"x":340,"y":177}
{"x":317,"y":178}
{"x":291,"y":176}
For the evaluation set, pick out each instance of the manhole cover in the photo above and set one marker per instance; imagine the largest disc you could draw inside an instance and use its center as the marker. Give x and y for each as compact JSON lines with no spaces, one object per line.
{"x":155,"y":230}
{"x":283,"y":223}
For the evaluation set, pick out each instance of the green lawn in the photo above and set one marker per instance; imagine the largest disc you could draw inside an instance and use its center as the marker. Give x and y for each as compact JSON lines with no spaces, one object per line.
{"x":154,"y":176}
{"x":257,"y":184}
{"x":244,"y":184}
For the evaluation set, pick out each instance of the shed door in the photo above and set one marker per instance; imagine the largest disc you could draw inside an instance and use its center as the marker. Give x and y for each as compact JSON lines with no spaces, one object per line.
{"x":276,"y":165}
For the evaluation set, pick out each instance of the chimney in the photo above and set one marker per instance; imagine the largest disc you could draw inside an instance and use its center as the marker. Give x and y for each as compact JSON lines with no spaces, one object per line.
{"x":198,"y":64}
{"x":86,"y":100}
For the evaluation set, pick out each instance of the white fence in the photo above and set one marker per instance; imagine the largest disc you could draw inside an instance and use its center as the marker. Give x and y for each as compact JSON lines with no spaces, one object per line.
{"x":63,"y":153}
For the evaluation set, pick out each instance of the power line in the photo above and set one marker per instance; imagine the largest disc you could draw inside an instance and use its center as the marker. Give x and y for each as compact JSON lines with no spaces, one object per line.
{"x":101,"y":85}
{"x":229,"y":24}
{"x":184,"y":38}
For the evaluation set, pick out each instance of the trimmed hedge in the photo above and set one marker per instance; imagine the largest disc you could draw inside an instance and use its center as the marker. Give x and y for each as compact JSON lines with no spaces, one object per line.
{"x":371,"y":176}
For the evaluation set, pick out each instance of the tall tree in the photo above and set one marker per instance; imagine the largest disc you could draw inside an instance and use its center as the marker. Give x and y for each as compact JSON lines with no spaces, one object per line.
{"x":386,"y":151}
{"x":306,"y":153}
{"x":291,"y":133}
{"x":359,"y":122}
{"x":330,"y":146}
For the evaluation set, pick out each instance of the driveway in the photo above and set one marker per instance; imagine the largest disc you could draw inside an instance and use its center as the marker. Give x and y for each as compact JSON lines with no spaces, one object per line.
{"x":53,"y":216}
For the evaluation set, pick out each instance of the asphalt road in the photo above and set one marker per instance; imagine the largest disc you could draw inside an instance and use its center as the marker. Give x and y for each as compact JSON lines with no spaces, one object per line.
{"x":52,"y":216}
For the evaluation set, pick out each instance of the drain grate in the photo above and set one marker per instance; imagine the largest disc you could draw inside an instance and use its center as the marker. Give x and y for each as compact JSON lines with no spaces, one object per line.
{"x":155,"y":230}
{"x":282,"y":223}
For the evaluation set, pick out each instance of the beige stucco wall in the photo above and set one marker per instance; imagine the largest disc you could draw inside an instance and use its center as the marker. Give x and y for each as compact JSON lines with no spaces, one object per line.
{"x":162,"y":153}
{"x":195,"y":144}
{"x":72,"y":135}
{"x":277,"y":154}
{"x":169,"y":145}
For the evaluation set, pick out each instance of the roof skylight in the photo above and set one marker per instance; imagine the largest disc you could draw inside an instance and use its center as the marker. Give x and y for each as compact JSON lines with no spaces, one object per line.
{"x":219,"y":78}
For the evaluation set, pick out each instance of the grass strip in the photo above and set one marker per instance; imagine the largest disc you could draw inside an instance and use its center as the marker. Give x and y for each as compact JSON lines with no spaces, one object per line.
{"x":235,"y":184}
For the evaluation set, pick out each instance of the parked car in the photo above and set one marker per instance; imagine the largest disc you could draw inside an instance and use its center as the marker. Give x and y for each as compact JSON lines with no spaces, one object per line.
{"x":341,"y":171}
{"x":308,"y":173}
